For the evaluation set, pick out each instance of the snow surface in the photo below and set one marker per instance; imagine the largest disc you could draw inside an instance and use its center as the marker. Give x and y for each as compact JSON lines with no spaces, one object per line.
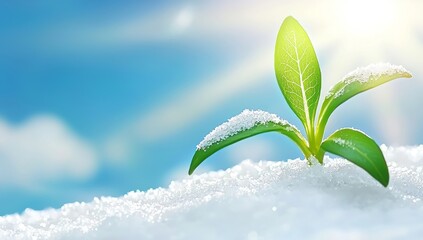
{"x":253,"y":200}
{"x":247,"y":119}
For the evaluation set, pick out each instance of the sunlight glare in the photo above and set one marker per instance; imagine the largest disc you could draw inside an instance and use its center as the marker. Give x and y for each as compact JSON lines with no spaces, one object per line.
{"x":364,"y":17}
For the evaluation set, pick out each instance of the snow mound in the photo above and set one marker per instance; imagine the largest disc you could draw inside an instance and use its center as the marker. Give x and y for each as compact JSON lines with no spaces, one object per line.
{"x":253,"y":200}
{"x":247,"y":119}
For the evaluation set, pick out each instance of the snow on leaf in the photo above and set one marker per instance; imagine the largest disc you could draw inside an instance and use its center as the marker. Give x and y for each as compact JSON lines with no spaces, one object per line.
{"x":247,"y":119}
{"x":365,"y":75}
{"x":245,"y":125}
{"x":342,"y":142}
{"x":358,"y":81}
{"x":360,"y":149}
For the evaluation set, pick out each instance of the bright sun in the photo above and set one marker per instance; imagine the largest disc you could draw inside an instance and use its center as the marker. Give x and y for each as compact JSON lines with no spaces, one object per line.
{"x":363,"y":17}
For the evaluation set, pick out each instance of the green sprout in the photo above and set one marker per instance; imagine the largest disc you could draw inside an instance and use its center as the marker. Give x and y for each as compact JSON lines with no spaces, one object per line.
{"x":299,"y":78}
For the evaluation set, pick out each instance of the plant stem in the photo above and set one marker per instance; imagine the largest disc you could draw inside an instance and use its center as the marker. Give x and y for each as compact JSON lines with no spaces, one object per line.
{"x":320,"y":155}
{"x":315,"y":136}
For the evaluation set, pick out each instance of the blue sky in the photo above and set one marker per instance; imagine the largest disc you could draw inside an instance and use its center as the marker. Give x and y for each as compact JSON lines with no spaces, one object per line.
{"x":100,"y":98}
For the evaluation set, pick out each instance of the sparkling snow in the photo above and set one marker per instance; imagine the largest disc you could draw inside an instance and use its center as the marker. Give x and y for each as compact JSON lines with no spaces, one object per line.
{"x":342,"y":142}
{"x":370,"y":73}
{"x":245,"y":120}
{"x":364,"y":74}
{"x":253,"y":200}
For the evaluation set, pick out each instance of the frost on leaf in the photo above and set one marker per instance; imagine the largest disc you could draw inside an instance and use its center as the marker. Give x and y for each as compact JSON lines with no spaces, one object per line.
{"x":242,"y":122}
{"x":367,"y":75}
{"x":364,"y":74}
{"x":343,"y":142}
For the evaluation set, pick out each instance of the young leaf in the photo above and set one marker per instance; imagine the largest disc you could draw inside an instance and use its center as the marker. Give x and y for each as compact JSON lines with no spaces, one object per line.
{"x":297,"y":71}
{"x":358,"y":81}
{"x":359,"y":149}
{"x":245,"y":125}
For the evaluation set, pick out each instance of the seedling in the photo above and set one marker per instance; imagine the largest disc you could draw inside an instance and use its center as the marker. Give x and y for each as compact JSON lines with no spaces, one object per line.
{"x":298,"y":75}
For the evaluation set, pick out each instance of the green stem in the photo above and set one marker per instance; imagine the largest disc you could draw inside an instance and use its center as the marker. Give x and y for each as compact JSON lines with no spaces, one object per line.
{"x":302,"y":144}
{"x":311,"y":140}
{"x":321,"y":125}
{"x":319,"y":134}
{"x":320,"y":155}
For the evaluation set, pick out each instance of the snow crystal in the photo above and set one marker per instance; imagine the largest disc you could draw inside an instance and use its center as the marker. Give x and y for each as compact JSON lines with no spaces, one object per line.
{"x":364,"y":74}
{"x":342,"y":142}
{"x":253,"y":200}
{"x":369,"y":73}
{"x":244,"y":121}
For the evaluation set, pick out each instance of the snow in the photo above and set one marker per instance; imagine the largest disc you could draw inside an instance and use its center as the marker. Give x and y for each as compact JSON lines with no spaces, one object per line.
{"x":247,"y":119}
{"x":347,"y":143}
{"x":369,"y":73}
{"x":342,"y":142}
{"x":253,"y":200}
{"x":364,"y":74}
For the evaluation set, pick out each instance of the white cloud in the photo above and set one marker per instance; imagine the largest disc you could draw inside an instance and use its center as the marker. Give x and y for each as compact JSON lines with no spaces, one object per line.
{"x":42,"y":150}
{"x":183,"y":19}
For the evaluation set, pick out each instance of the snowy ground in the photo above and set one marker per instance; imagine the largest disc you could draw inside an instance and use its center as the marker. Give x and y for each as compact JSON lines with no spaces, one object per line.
{"x":264,"y":200}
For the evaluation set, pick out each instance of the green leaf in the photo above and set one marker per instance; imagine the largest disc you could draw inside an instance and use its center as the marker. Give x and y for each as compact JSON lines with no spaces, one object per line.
{"x":359,"y":149}
{"x":360,"y":80}
{"x":245,"y":125}
{"x":297,"y":71}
